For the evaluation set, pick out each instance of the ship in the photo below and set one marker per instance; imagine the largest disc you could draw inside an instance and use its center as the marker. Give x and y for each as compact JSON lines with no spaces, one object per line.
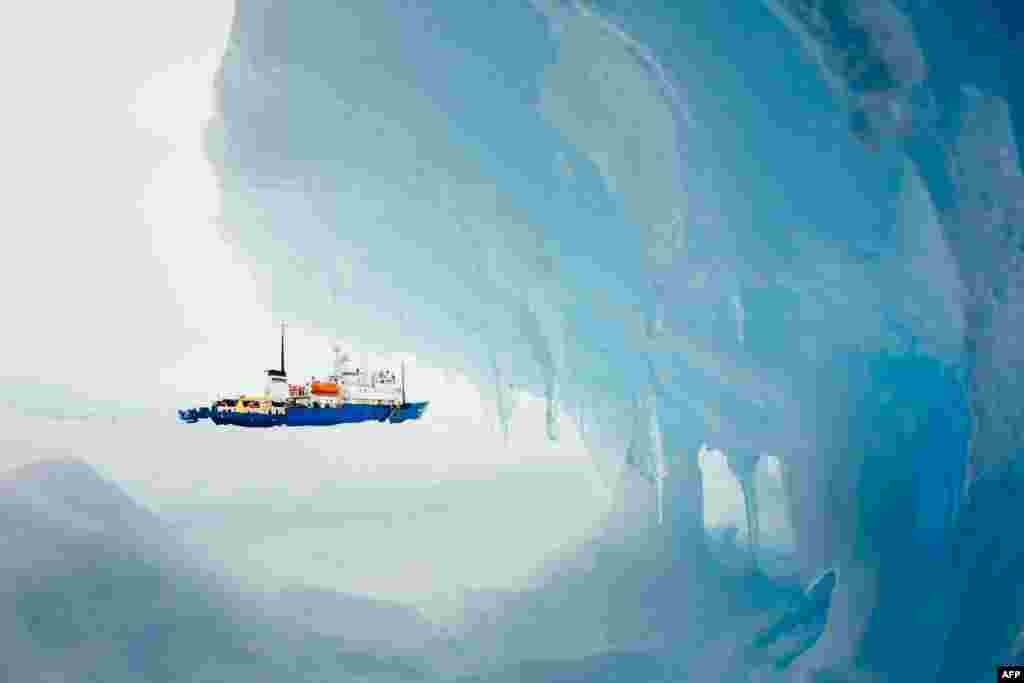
{"x":349,"y":394}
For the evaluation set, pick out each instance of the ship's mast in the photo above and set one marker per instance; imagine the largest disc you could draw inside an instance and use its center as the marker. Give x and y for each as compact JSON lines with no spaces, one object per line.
{"x":403,"y":382}
{"x":282,"y":350}
{"x":277,"y":382}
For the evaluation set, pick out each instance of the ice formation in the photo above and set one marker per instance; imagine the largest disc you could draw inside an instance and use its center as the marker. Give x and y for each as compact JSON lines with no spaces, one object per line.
{"x":647,"y":300}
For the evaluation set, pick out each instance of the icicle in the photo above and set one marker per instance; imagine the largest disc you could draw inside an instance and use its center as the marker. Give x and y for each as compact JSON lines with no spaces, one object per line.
{"x":633,"y":457}
{"x":646,"y":452}
{"x":657,"y":443}
{"x":743,"y":464}
{"x":545,"y":336}
{"x":581,"y":421}
{"x":499,"y":391}
{"x":551,"y":412}
{"x":660,"y":469}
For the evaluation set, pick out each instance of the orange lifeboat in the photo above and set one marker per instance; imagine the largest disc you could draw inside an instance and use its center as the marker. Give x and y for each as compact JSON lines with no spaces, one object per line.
{"x":324,"y":389}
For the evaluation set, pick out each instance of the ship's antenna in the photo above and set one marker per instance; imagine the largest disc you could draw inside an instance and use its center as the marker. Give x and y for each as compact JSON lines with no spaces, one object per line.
{"x":282,"y":349}
{"x":336,"y":347}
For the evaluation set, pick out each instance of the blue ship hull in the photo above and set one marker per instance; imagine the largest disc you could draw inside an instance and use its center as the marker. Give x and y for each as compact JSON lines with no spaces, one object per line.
{"x":353,"y":412}
{"x":298,"y":416}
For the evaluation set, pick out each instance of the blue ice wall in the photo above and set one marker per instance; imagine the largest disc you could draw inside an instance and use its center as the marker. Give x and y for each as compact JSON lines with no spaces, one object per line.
{"x":906,"y":500}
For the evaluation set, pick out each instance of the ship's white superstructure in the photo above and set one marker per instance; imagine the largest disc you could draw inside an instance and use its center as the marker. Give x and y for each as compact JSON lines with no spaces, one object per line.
{"x":350,"y":384}
{"x":359,"y":385}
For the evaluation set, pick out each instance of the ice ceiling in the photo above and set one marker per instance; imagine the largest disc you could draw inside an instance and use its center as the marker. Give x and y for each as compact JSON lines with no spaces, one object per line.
{"x":790,"y":229}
